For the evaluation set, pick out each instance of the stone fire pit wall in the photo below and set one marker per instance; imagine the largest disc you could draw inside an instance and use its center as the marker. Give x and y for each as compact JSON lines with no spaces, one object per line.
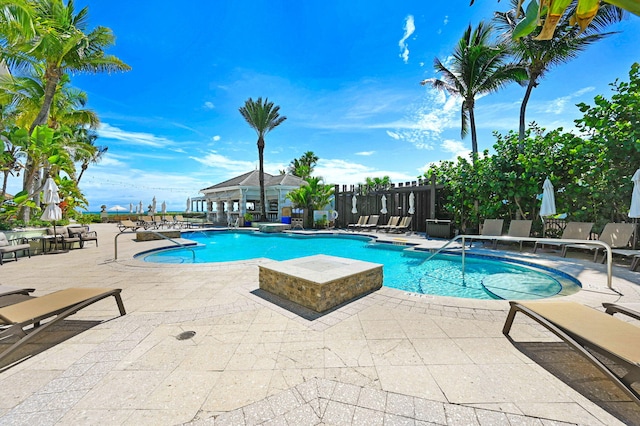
{"x":320,"y":282}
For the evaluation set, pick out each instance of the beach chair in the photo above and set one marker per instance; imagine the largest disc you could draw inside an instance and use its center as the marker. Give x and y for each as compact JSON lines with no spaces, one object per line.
{"x":8,"y":246}
{"x":361,"y":221}
{"x":573,"y":231}
{"x":147,"y":222}
{"x":616,"y":235}
{"x":518,"y":228}
{"x":25,"y":319}
{"x":180,"y":222}
{"x":586,"y":329}
{"x":126,"y":225}
{"x":404,"y":224}
{"x":372,"y":223}
{"x":11,"y":295}
{"x":393,"y":221}
{"x":490,"y":228}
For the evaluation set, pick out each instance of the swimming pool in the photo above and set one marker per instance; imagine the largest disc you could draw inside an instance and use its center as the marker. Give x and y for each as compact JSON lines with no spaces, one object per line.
{"x":405,"y":269}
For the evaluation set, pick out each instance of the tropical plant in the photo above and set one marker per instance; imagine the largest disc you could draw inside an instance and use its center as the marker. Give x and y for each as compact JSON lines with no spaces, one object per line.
{"x":303,"y":167}
{"x":479,"y":66}
{"x":375,"y":184}
{"x":313,"y":195}
{"x":262,"y":117}
{"x":51,"y":34}
{"x":48,"y":38}
{"x":539,"y":56}
{"x":550,"y":12}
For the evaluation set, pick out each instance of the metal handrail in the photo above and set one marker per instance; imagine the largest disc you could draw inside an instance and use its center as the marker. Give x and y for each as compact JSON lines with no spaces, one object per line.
{"x":463,"y":238}
{"x":115,"y":243}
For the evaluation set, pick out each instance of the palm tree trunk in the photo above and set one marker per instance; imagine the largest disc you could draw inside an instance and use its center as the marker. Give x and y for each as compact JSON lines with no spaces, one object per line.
{"x":52,"y":77}
{"x":263,"y":207}
{"x":523,"y":111}
{"x":474,"y":136}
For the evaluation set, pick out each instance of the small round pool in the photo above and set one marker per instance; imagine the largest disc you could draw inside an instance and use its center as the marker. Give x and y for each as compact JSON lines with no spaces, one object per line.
{"x":404,"y":268}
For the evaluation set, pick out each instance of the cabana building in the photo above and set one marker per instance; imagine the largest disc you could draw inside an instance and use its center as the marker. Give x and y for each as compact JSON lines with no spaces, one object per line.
{"x":230,"y":200}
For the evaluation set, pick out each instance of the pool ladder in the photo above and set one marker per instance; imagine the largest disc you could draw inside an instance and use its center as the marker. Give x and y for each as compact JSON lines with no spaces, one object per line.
{"x":596,"y":243}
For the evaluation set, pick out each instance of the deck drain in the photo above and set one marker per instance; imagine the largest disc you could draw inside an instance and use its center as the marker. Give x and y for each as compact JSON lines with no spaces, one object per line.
{"x":185,"y":335}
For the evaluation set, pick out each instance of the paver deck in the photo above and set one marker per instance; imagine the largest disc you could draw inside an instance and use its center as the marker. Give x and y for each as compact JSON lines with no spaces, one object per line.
{"x":200,"y":344}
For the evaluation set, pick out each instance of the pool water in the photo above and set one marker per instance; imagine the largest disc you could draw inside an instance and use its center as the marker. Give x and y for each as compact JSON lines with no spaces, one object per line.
{"x":482,"y":278}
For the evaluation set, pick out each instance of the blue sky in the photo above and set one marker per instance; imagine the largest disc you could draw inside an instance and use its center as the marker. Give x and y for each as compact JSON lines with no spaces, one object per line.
{"x":345,"y":73}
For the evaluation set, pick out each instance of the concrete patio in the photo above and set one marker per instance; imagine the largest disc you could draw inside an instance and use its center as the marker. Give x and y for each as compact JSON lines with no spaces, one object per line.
{"x":390,"y":357}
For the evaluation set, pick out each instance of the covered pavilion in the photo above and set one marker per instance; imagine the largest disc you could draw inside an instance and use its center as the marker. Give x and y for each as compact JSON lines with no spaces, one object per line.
{"x":229,"y":200}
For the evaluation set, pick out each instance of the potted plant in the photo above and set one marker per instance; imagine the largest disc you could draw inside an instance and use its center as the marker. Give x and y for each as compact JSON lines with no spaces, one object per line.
{"x":248,"y":217}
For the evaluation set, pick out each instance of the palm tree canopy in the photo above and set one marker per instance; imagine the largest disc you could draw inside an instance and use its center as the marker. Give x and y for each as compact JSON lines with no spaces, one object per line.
{"x":261,"y":116}
{"x":478,"y":67}
{"x":550,"y":12}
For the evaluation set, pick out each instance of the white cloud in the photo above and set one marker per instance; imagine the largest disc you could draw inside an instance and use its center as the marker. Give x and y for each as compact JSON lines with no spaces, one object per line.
{"x":216,"y":138}
{"x":409,"y":28}
{"x":365,"y":153}
{"x":134,"y":138}
{"x":335,"y":171}
{"x":558,"y":105}
{"x":446,"y":20}
{"x":457,"y":148}
{"x":425,"y":122}
{"x":215,"y":160}
{"x":209,"y":105}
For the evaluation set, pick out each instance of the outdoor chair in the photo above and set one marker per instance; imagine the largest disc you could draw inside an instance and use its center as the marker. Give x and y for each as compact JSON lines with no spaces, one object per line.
{"x":180,"y":222}
{"x":404,"y":224}
{"x":63,"y":237}
{"x":585,"y":330}
{"x":573,"y":231}
{"x":518,"y":228}
{"x":125,"y":225}
{"x":25,"y":319}
{"x":361,"y":221}
{"x":372,"y":223}
{"x":393,"y":221}
{"x":490,"y":228}
{"x":14,"y":245}
{"x":616,"y":235}
{"x":84,"y":234}
{"x":147,"y":222}
{"x":11,"y":295}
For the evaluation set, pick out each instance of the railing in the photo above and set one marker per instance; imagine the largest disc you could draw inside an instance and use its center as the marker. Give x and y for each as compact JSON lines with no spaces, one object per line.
{"x":464,"y":238}
{"x":115,"y":243}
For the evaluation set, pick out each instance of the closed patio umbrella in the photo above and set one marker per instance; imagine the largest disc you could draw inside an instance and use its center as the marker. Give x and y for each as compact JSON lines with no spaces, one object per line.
{"x":354,"y":202}
{"x":52,"y":212}
{"x":383,"y":210}
{"x":130,"y":208}
{"x":153,"y":206}
{"x":140,"y":208}
{"x":164,"y":207}
{"x":634,"y":211}
{"x":548,"y":207}
{"x":412,"y":203}
{"x":188,"y":210}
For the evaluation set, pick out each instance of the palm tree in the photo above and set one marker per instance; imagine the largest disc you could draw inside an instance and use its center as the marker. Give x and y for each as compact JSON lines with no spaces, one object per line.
{"x":262,"y":117}
{"x":303,"y":167}
{"x":87,"y":152}
{"x":479,"y":66}
{"x":539,"y":56}
{"x":55,"y":37}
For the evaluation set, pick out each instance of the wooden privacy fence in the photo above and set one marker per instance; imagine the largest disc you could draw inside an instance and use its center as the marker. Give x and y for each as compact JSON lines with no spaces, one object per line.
{"x":428,"y":203}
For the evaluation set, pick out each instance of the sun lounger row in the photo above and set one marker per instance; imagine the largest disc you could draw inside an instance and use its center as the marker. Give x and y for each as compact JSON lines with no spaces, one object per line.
{"x":616,"y":235}
{"x":152,"y":222}
{"x":395,"y":224}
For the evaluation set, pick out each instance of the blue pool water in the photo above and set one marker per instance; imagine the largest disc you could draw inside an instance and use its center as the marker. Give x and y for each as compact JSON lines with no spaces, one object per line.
{"x":483,"y":278}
